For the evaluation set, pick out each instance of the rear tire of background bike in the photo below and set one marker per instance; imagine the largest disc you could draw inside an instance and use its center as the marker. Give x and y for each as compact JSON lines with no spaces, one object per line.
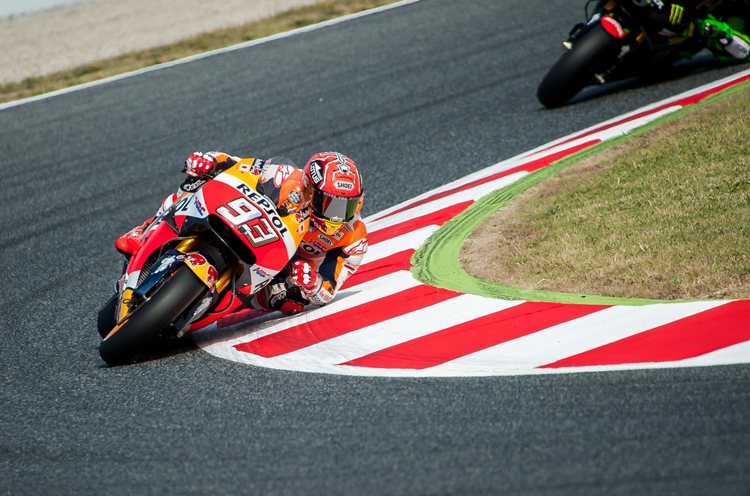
{"x":576,"y":67}
{"x":152,"y":318}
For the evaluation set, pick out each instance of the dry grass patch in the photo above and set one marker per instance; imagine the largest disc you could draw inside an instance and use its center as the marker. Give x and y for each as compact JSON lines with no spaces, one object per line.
{"x":664,"y":216}
{"x":286,"y":21}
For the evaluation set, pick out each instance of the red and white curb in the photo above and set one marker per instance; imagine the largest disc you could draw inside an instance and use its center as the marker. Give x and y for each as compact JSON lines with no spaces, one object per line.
{"x":386,"y":323}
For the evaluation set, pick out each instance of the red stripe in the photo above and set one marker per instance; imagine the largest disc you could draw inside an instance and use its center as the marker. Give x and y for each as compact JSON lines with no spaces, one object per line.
{"x":434,"y":218}
{"x":686,"y":338}
{"x":379,"y":268}
{"x":338,"y":324}
{"x":529,"y":167}
{"x":475,"y":335}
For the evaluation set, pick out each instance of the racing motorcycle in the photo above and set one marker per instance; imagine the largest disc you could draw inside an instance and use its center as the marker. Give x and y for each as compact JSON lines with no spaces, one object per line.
{"x":620,"y":39}
{"x":202,"y":259}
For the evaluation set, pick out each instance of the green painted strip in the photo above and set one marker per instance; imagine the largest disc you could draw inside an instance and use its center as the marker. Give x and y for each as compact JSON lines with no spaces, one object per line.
{"x":437,"y":261}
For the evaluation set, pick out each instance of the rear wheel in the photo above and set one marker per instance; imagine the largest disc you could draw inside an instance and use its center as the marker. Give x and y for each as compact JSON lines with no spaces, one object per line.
{"x":153,"y":317}
{"x":576,"y":67}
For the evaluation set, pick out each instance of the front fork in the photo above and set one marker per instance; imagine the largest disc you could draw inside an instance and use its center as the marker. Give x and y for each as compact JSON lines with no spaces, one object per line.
{"x":207,"y":274}
{"x":202,"y":268}
{"x":130,"y":297}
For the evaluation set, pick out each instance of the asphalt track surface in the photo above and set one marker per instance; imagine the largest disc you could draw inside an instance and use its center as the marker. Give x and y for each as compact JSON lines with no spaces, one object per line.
{"x":418,"y":96}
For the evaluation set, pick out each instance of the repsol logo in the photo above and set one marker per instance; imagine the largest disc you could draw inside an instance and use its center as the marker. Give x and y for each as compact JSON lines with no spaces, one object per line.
{"x":265,"y":204}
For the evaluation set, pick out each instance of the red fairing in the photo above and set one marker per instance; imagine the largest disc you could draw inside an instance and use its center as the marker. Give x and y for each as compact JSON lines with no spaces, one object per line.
{"x":613,"y":27}
{"x":253,"y":218}
{"x":152,"y":241}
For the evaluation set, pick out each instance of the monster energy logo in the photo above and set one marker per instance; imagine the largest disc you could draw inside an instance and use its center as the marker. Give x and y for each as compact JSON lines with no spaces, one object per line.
{"x":675,"y":16}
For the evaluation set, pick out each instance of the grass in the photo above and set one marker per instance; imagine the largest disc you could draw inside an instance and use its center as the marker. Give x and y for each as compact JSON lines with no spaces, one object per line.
{"x":663,"y":216}
{"x":286,"y":21}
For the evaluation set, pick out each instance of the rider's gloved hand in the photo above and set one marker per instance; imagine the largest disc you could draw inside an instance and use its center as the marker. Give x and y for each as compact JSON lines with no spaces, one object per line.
{"x":305,"y":278}
{"x":199,"y":164}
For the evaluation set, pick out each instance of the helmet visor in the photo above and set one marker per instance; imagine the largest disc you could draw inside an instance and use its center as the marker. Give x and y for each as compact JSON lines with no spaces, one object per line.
{"x":334,"y":208}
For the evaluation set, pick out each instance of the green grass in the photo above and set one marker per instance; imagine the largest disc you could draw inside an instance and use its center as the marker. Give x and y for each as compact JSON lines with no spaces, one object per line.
{"x":664,"y":216}
{"x":286,"y":21}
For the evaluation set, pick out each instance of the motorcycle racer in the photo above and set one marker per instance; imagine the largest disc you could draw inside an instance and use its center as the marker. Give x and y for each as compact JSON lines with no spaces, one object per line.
{"x":334,"y":245}
{"x":328,"y":192}
{"x":720,"y":31}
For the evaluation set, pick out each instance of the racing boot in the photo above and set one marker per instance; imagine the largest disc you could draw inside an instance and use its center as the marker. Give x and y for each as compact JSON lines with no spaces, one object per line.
{"x":127,"y":244}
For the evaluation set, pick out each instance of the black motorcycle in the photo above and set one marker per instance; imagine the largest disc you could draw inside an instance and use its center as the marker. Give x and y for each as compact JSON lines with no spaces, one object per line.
{"x":620,"y":39}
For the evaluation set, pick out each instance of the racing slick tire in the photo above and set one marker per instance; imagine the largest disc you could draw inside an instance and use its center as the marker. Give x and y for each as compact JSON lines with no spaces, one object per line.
{"x":576,"y":67}
{"x":155,"y":315}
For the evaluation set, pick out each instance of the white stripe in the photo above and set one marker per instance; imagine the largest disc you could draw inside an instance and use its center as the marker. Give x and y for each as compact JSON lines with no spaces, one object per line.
{"x":738,"y":353}
{"x":408,"y":241}
{"x":604,"y":135}
{"x":214,"y":339}
{"x":378,"y":217}
{"x":577,"y":336}
{"x":395,"y":331}
{"x":472,"y":194}
{"x":204,"y":55}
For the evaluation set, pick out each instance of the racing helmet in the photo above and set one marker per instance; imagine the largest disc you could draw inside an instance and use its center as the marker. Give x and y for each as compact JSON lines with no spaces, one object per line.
{"x":337,"y":190}
{"x":285,"y":185}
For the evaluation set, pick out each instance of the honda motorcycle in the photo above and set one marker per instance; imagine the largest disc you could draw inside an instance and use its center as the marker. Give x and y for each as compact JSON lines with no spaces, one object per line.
{"x":202,"y":259}
{"x":620,"y":39}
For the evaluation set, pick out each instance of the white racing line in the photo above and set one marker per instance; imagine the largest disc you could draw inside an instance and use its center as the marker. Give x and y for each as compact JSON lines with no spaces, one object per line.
{"x":386,"y":323}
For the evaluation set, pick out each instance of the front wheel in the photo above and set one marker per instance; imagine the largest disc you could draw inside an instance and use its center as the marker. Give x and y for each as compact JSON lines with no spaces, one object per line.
{"x":576,"y":67}
{"x":105,"y":319}
{"x":153,"y":317}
